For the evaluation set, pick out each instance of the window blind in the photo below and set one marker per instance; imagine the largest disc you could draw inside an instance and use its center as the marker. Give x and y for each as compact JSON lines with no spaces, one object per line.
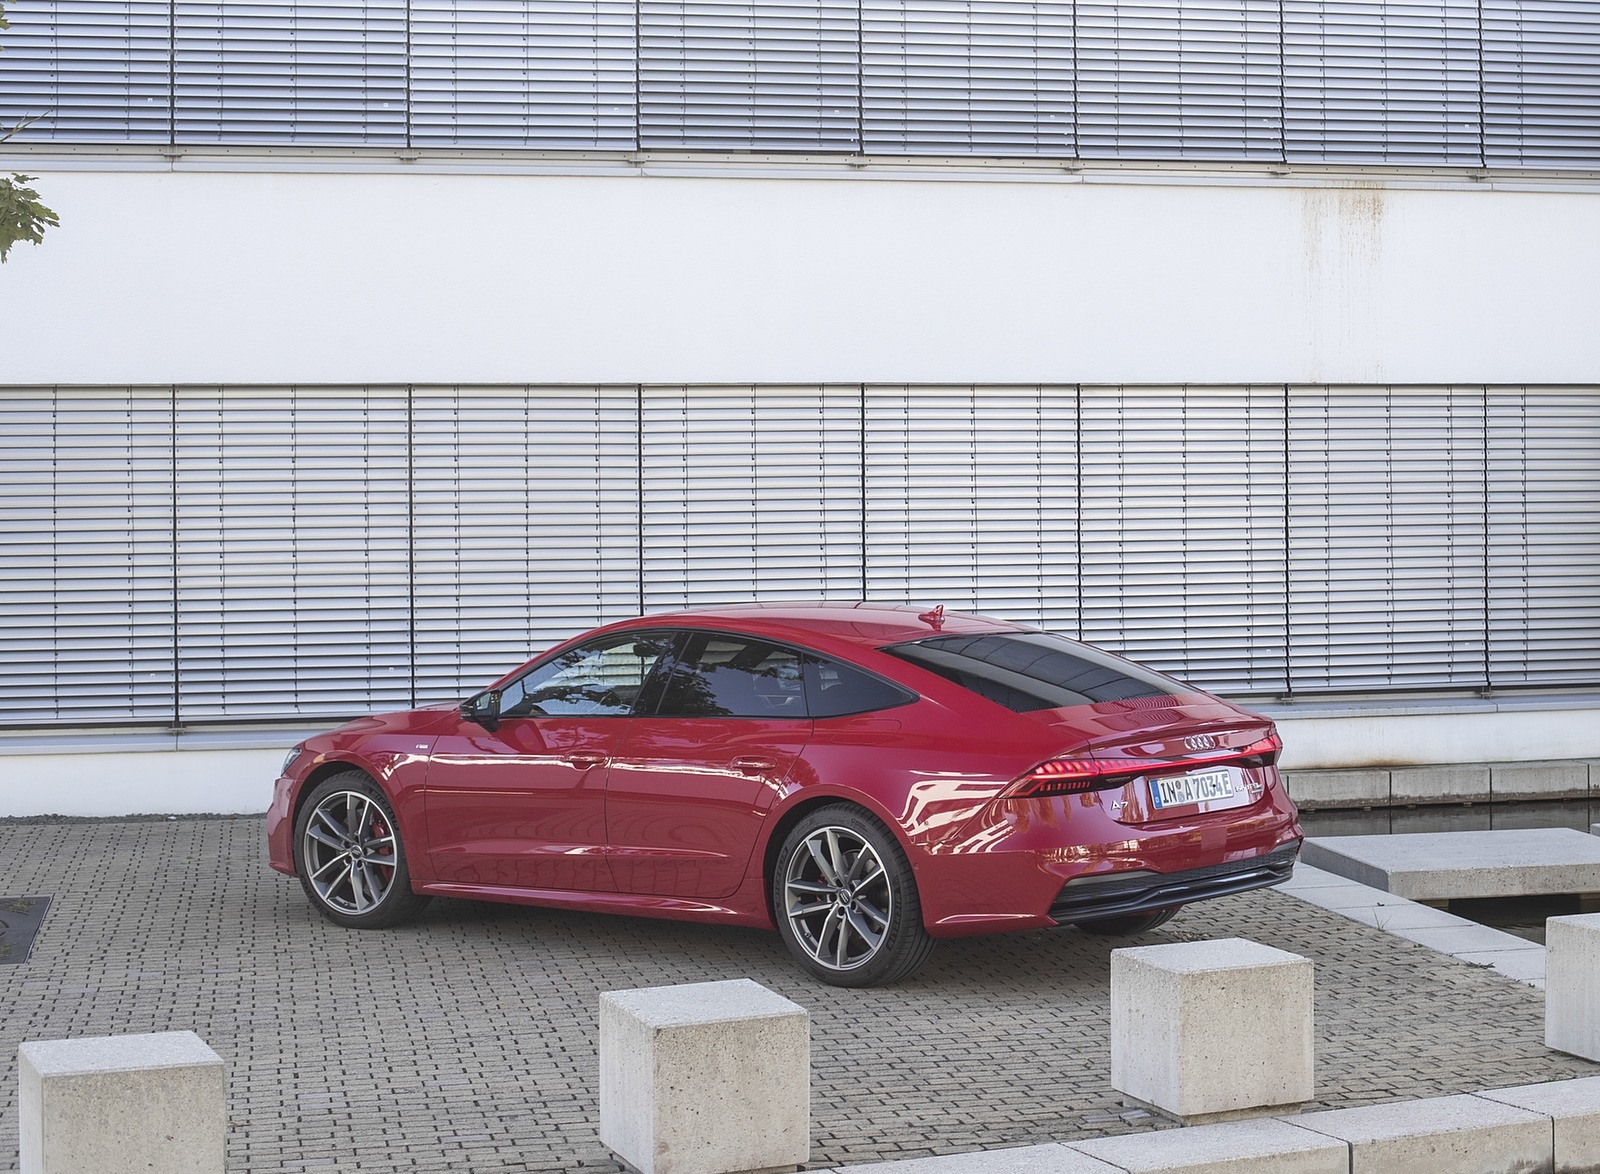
{"x":86,"y":574}
{"x":1541,"y":83}
{"x":291,"y":533}
{"x":1543,"y":487}
{"x":750,"y":493}
{"x":1381,"y":81}
{"x":971,"y":500}
{"x":506,"y":73}
{"x":1386,"y":538}
{"x":308,"y":71}
{"x":526,"y":525}
{"x":1179,"y":79}
{"x":772,"y":75}
{"x":1183,"y":531}
{"x":957,"y":77}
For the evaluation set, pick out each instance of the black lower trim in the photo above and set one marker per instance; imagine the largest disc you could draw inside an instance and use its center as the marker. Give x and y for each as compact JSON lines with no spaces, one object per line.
{"x":1115,"y":894}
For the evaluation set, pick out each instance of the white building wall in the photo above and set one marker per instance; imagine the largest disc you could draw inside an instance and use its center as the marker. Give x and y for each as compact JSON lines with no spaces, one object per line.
{"x":161,"y":276}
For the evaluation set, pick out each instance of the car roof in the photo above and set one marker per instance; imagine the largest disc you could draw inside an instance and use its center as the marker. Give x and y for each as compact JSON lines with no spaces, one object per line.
{"x":869,"y":624}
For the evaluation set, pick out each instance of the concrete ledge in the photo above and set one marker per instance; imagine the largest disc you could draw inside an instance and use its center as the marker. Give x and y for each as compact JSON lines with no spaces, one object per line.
{"x":1439,"y":784}
{"x":1175,"y":1039}
{"x":1268,"y":1146}
{"x":121,"y":1104}
{"x":1442,"y":1135}
{"x":1314,"y":789}
{"x":1442,"y":866}
{"x":1574,"y":1108}
{"x":1538,"y":780}
{"x":705,"y":1078}
{"x":1572,"y":985}
{"x":1053,"y":1158}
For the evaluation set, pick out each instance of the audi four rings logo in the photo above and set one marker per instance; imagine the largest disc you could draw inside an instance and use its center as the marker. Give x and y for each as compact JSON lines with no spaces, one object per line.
{"x":1200,"y":742}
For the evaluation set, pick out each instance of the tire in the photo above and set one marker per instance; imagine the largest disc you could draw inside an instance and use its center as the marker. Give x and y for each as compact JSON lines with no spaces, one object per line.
{"x":361,"y":880}
{"x":865,"y":932}
{"x":1129,"y":923}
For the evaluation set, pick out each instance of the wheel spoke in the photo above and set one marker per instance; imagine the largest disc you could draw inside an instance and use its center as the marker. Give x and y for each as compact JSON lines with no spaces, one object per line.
{"x":327,"y":864}
{"x":877,"y":915}
{"x":800,"y":886}
{"x":338,"y":829}
{"x":366,"y":819}
{"x":322,"y":837}
{"x":828,"y":874}
{"x":356,"y":893}
{"x":333,"y":886}
{"x":836,"y":855}
{"x":808,"y":910}
{"x":830,"y":926}
{"x":865,"y":932}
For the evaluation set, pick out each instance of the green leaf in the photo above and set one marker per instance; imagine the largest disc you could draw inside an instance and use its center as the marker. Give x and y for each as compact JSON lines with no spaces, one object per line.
{"x":22,"y":216}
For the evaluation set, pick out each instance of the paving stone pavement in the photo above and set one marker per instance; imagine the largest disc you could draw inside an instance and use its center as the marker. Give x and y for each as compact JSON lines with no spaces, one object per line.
{"x":468,"y":1041}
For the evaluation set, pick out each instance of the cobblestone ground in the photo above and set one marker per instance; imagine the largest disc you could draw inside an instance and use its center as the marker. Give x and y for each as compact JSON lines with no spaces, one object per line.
{"x":468,"y":1041}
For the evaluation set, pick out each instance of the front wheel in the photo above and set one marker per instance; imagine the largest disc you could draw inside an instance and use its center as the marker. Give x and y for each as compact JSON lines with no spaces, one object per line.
{"x":349,"y":855}
{"x":845,"y":900}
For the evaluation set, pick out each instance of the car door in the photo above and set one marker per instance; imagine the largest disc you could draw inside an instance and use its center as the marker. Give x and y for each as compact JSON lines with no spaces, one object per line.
{"x":691,"y":783}
{"x":522,"y":805}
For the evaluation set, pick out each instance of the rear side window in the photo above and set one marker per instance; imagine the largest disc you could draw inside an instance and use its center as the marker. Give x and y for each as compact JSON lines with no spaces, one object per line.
{"x":1026,"y":671}
{"x":837,"y":690}
{"x":732,"y":676}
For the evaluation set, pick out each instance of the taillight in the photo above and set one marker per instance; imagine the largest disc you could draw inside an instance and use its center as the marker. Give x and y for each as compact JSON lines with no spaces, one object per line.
{"x":1068,"y":776}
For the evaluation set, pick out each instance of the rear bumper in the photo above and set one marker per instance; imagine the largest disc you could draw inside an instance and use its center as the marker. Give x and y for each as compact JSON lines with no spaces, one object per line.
{"x":1115,"y":894}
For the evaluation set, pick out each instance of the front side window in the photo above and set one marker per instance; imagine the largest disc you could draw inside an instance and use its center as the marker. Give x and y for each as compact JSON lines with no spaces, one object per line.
{"x":1028,"y":671}
{"x":601,"y":678}
{"x":734,"y":676}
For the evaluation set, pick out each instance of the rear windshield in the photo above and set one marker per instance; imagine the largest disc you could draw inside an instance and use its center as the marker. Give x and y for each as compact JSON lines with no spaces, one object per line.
{"x":1026,"y":671}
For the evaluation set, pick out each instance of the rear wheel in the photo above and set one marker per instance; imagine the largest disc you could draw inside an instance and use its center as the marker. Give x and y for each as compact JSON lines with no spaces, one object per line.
{"x":349,"y":855}
{"x":845,"y":900}
{"x":1129,"y":923}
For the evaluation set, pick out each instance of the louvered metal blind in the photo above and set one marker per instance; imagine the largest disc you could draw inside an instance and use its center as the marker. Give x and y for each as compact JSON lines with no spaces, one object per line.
{"x":956,"y":77}
{"x":741,"y":75}
{"x":312,"y":71}
{"x":526,"y":525}
{"x":1541,"y":83}
{"x":291,"y":529}
{"x":1386,"y":522}
{"x":215,"y":554}
{"x":971,"y":500}
{"x":1426,"y":82}
{"x":1183,"y":530}
{"x":1381,"y":81}
{"x":1543,"y":486}
{"x":1195,"y":79}
{"x":506,"y":73}
{"x":750,"y":493}
{"x":86,"y":556}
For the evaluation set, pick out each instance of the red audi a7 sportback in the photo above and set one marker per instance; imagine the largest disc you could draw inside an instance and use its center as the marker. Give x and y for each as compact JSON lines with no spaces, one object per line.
{"x":865,"y":779}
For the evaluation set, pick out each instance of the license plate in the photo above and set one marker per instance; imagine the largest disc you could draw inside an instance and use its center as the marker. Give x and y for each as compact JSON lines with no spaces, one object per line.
{"x":1182,"y":790}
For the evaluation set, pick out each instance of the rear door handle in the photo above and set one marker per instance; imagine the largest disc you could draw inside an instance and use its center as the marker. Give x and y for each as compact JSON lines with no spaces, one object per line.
{"x":754,"y":764}
{"x":586,"y":760}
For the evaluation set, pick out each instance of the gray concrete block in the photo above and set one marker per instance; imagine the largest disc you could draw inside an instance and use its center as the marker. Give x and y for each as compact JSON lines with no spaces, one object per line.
{"x":120,"y":1104}
{"x":1053,"y":1158}
{"x":1266,"y":1146}
{"x":1574,"y":1107}
{"x":1441,"y":866}
{"x":1439,"y":784}
{"x":1175,"y":1017}
{"x":1312,"y":789}
{"x":1538,"y":780}
{"x":1440,"y":1135}
{"x":1572,"y":985}
{"x":705,"y":1078}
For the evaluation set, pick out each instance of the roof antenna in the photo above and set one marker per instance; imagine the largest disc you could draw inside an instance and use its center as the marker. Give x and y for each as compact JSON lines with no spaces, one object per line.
{"x":934,"y":618}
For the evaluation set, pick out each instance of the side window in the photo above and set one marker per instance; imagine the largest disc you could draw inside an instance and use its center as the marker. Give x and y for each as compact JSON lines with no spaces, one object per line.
{"x":732,"y":676}
{"x":602,"y":678}
{"x":836,"y":690}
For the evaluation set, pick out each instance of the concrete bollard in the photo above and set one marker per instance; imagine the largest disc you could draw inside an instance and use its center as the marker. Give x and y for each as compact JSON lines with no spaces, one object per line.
{"x":122,"y":1103}
{"x":1208,"y":1031}
{"x":1572,"y":985}
{"x":705,"y":1078}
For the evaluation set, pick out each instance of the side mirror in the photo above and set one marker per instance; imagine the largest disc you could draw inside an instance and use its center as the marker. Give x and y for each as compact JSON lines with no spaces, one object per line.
{"x":484,"y":709}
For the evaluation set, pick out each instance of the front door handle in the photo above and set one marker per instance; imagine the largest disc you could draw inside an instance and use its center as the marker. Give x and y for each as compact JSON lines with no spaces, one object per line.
{"x":586,"y":759}
{"x":754,"y":764}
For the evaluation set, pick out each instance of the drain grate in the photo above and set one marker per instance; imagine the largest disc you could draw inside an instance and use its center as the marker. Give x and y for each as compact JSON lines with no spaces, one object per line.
{"x":20,"y":921}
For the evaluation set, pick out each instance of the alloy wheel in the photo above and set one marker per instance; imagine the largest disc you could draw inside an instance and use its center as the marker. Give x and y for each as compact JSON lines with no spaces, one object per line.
{"x":350,"y":852}
{"x":838,"y":898}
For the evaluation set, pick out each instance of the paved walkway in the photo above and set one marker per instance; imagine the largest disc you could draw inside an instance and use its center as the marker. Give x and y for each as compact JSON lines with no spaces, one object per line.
{"x":467,"y":1041}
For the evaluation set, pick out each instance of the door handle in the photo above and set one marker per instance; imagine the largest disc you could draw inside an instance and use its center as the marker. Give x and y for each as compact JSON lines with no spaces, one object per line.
{"x":584,"y":760}
{"x":754,"y":764}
